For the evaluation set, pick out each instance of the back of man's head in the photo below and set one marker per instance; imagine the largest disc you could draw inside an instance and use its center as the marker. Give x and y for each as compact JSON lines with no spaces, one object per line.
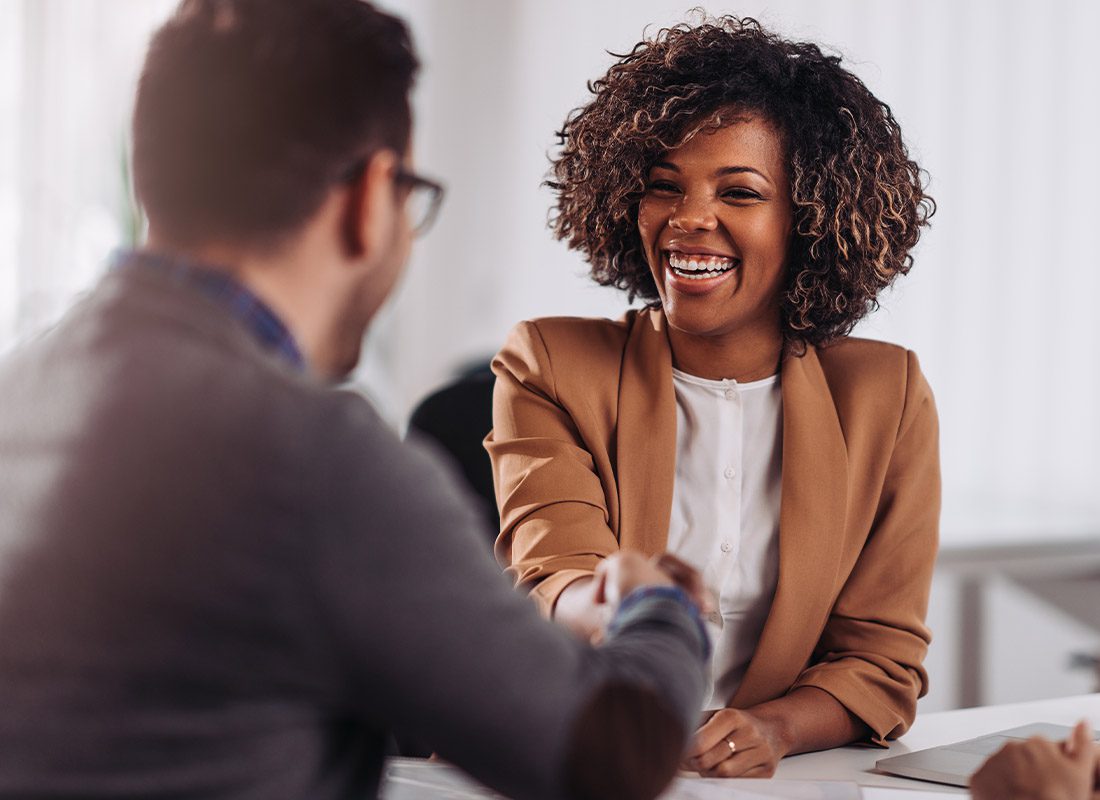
{"x":249,"y":111}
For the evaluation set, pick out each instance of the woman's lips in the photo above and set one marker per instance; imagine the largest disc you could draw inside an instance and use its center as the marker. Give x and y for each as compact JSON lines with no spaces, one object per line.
{"x":697,"y":273}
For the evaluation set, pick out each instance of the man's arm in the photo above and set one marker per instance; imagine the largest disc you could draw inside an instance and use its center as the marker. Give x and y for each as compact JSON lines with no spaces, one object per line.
{"x":435,"y":643}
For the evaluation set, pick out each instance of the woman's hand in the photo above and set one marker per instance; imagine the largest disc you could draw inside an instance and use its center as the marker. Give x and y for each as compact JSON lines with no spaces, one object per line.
{"x":806,"y":719}
{"x":736,"y":744}
{"x":1039,"y":769}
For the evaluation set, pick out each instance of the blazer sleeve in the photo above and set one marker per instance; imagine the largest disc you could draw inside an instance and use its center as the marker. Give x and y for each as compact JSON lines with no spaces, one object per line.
{"x":553,"y":507}
{"x":870,"y":654}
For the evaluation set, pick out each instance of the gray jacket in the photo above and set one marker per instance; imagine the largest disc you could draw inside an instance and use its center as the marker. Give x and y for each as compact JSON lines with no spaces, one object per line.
{"x":221,"y":579}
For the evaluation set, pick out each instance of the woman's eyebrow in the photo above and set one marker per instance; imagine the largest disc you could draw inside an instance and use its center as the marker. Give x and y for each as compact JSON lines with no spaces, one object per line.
{"x":732,"y":170}
{"x":737,"y":171}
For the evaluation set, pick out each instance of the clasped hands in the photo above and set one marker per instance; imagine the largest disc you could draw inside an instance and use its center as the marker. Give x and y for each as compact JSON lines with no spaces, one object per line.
{"x":621,"y":573}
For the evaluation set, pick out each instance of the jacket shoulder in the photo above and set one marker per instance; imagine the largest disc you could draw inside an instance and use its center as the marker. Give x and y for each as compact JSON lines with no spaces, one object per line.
{"x":866,"y":373}
{"x":567,"y":334}
{"x":569,"y":348}
{"x":864,"y":359}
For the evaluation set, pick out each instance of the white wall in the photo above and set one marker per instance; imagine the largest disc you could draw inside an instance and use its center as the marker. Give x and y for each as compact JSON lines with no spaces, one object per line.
{"x":999,"y":99}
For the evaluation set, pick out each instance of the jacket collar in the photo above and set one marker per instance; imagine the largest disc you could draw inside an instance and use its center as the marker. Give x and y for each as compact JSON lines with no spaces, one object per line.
{"x":814,"y":493}
{"x":646,"y":435}
{"x":812,"y":519}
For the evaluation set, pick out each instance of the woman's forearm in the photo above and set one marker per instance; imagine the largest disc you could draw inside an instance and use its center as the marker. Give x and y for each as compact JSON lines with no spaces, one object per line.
{"x":810,"y":719}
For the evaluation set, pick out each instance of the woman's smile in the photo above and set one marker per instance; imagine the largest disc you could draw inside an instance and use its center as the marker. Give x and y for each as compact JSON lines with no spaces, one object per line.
{"x":698,"y":274}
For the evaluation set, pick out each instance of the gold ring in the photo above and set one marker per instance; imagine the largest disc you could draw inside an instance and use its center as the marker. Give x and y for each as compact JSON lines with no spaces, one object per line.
{"x":732,"y":746}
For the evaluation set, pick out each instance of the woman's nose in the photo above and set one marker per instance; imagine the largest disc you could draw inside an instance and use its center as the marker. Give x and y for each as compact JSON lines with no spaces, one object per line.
{"x":693,"y":214}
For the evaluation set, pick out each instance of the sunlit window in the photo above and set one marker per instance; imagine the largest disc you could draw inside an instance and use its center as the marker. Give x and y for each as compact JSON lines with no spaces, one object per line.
{"x":67,"y":75}
{"x":11,"y":22}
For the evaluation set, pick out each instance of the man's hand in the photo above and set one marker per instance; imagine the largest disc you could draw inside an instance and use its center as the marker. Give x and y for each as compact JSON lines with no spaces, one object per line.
{"x":736,"y":744}
{"x":1039,"y":769}
{"x":688,"y":578}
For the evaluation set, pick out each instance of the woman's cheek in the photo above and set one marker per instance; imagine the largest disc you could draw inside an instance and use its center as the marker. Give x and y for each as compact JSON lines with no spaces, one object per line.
{"x":648,"y":229}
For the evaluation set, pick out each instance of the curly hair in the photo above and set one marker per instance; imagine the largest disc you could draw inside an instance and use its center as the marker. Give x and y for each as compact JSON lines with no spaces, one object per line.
{"x":859,"y":200}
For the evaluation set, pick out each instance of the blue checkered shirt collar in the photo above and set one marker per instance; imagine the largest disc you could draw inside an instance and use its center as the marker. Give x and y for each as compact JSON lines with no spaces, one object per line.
{"x":217,"y":284}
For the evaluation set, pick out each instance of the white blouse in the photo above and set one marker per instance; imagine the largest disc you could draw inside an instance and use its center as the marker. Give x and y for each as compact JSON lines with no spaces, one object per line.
{"x":725,"y":510}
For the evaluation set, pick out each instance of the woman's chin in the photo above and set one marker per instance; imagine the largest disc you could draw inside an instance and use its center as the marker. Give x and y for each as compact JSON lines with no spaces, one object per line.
{"x":700,"y":326}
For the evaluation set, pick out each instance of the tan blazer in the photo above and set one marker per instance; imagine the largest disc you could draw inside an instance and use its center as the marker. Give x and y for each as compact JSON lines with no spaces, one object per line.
{"x":583,"y":451}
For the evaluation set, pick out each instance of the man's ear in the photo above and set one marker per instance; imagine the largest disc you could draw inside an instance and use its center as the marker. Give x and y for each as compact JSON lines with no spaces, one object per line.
{"x":371,"y":207}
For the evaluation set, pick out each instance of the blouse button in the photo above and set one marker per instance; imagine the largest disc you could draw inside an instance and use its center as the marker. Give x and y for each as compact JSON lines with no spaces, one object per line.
{"x":726,"y":547}
{"x":731,"y":394}
{"x":730,"y":472}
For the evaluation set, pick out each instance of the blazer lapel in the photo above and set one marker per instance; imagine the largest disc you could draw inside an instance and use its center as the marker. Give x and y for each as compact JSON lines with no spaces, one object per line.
{"x":645,"y":439}
{"x":812,"y":516}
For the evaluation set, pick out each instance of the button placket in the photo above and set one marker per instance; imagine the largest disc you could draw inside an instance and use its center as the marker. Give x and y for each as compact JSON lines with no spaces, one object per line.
{"x":726,"y":481}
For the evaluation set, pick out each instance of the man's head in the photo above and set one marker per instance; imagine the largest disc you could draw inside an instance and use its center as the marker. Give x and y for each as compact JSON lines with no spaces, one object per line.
{"x":273,"y":137}
{"x":249,"y":111}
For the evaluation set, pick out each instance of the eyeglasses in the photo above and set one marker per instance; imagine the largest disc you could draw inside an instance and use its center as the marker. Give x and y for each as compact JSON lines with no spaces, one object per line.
{"x":424,"y":197}
{"x":423,"y":201}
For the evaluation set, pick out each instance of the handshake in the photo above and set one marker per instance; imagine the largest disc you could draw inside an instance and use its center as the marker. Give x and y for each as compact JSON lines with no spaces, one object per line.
{"x":587,"y":606}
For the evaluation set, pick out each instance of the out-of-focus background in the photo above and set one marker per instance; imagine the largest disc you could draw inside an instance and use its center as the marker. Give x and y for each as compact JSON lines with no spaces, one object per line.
{"x":999,"y":101}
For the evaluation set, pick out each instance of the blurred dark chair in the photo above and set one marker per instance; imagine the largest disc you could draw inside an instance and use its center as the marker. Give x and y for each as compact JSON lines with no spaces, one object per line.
{"x":458,"y":417}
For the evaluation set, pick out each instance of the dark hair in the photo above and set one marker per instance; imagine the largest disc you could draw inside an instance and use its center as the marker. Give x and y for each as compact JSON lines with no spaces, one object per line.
{"x":859,"y":200}
{"x":249,"y":110}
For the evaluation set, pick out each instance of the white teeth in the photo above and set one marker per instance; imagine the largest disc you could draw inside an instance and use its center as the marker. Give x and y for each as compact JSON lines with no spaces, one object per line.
{"x":704,"y":266}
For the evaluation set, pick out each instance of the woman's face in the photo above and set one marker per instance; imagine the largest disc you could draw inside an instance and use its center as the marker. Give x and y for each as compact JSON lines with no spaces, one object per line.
{"x":715,"y":224}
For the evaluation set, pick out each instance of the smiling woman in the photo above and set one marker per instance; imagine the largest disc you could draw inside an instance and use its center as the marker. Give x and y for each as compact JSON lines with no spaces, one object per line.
{"x":759,"y":197}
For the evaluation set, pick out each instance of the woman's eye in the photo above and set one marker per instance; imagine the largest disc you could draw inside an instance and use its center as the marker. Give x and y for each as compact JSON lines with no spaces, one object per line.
{"x":740,"y":194}
{"x":662,"y":187}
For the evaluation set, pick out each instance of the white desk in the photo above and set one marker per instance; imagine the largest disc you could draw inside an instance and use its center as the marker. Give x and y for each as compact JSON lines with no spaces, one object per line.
{"x":856,"y":764}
